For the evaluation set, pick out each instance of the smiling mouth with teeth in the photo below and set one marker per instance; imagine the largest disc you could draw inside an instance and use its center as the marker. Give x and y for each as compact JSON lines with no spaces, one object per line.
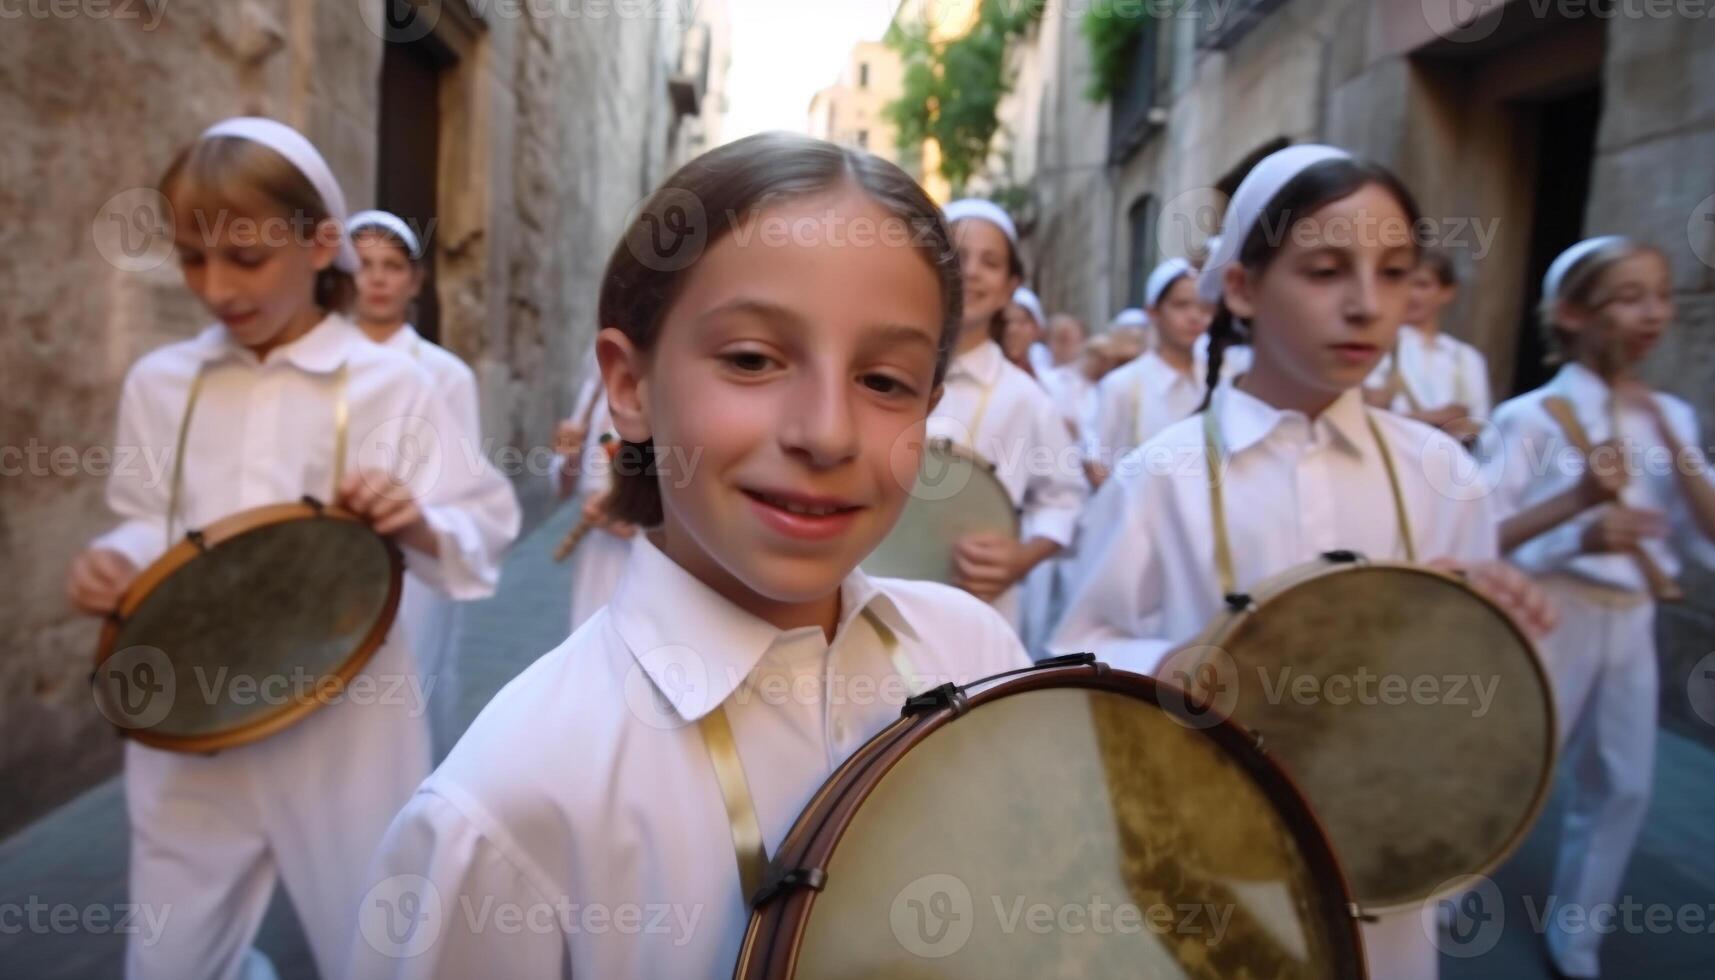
{"x":794,"y":507}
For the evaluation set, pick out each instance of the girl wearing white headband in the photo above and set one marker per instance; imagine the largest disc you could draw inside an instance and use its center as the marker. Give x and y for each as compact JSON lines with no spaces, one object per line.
{"x":1597,"y":537}
{"x":997,"y":410}
{"x":1431,"y":375}
{"x":1165,"y":384}
{"x":259,"y":224}
{"x":1022,"y":327}
{"x":389,"y":280}
{"x":1315,"y":255}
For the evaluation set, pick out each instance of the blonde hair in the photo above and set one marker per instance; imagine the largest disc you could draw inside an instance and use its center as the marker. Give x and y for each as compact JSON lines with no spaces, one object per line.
{"x":232,"y":173}
{"x":1579,"y":288}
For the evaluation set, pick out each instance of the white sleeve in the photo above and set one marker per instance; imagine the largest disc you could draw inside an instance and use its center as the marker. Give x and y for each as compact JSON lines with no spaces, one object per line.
{"x":1056,"y":492}
{"x":1688,"y":539}
{"x":1114,"y":584}
{"x":469,"y":506}
{"x":1477,"y":378}
{"x":436,"y":883}
{"x":135,"y":492}
{"x":1113,"y":423}
{"x":1528,"y":440}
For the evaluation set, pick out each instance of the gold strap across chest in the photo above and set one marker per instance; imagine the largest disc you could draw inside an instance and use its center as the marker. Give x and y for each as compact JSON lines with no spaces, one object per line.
{"x":716,"y":730}
{"x":1214,"y":453}
{"x":341,"y":424}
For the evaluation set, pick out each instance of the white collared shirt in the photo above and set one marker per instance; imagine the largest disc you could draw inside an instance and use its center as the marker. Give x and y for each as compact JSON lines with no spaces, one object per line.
{"x":1073,"y":394}
{"x":1541,"y":463}
{"x":1020,"y":432}
{"x":1144,"y":580}
{"x":1142,"y":397}
{"x":586,"y":785}
{"x":453,"y":378}
{"x":263,"y":433}
{"x":1443,"y":371}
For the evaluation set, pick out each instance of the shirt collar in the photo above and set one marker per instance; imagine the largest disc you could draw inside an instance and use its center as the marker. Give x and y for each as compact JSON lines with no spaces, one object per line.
{"x":320,"y":351}
{"x":667,"y":619}
{"x":1157,"y":369}
{"x":1580,"y":385}
{"x":404,"y":340}
{"x":1246,"y":420}
{"x":982,"y":363}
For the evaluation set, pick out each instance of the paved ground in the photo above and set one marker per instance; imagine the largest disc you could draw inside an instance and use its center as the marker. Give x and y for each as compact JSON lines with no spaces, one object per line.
{"x":75,"y":857}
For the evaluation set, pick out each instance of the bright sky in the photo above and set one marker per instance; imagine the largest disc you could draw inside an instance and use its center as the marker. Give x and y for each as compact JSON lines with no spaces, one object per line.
{"x":784,"y":51}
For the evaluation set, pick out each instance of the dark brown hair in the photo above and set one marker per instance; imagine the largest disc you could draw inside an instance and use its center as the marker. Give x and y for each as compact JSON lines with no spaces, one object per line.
{"x":233,"y":173}
{"x":1318,"y":185}
{"x":698,"y":206}
{"x":1440,"y":263}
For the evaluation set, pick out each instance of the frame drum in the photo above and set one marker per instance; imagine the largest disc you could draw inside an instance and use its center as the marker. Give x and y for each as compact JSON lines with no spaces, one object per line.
{"x":1413,"y":713}
{"x":1069,"y":821}
{"x":957,"y":494}
{"x":242,"y":629}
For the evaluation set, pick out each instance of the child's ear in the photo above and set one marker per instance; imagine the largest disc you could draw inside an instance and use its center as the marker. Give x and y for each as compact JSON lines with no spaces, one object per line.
{"x":1570,"y":316}
{"x":1239,"y":291}
{"x":324,"y":245}
{"x":622,"y":373}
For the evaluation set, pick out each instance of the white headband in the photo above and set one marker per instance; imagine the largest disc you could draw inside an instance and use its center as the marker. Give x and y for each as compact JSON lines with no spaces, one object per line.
{"x":1024,"y":297}
{"x":300,"y":153}
{"x":1564,"y":262}
{"x":1131,"y":316}
{"x":390,"y":223}
{"x":1258,"y":188}
{"x":976,"y":207}
{"x":1165,"y":275}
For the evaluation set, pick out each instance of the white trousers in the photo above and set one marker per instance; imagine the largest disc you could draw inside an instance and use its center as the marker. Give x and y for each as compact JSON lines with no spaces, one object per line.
{"x":1603,"y":664}
{"x":432,"y":623}
{"x":210,"y":834}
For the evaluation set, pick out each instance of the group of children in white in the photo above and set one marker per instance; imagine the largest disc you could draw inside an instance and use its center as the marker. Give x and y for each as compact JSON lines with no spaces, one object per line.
{"x":808,"y":377}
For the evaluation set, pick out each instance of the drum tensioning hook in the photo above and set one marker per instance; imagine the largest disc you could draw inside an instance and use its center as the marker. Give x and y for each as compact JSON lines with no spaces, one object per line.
{"x":314,"y":504}
{"x":1239,"y":602}
{"x":1341,"y":556}
{"x":198,"y":539}
{"x":814,"y":879}
{"x":952,"y":696}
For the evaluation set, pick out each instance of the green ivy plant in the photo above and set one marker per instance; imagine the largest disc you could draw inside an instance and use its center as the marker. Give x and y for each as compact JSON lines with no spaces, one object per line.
{"x":1111,"y":30}
{"x":952,"y":89}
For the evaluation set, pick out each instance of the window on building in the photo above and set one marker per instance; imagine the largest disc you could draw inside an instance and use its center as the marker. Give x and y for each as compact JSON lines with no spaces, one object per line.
{"x":863,"y":75}
{"x":1142,"y":252}
{"x":863,"y":139}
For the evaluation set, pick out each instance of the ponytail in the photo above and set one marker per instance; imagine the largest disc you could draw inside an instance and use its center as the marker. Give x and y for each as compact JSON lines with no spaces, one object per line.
{"x":1224,"y":332}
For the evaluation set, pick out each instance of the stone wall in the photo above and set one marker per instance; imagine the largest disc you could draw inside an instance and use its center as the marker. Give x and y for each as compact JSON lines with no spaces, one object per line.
{"x":552,"y":130}
{"x":1454,"y":115}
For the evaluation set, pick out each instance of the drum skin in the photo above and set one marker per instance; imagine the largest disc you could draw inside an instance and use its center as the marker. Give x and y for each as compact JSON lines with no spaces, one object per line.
{"x":1438,"y":774}
{"x":1067,"y":822}
{"x":250,"y":625}
{"x":956,"y":494}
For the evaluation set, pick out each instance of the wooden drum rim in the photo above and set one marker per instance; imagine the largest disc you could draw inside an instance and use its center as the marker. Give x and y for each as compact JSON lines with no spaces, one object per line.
{"x":191,"y":547}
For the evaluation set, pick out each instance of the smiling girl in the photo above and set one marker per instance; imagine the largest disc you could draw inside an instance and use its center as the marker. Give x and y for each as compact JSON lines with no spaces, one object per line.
{"x":655,"y":758}
{"x":1001,"y":413}
{"x":1315,"y":255}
